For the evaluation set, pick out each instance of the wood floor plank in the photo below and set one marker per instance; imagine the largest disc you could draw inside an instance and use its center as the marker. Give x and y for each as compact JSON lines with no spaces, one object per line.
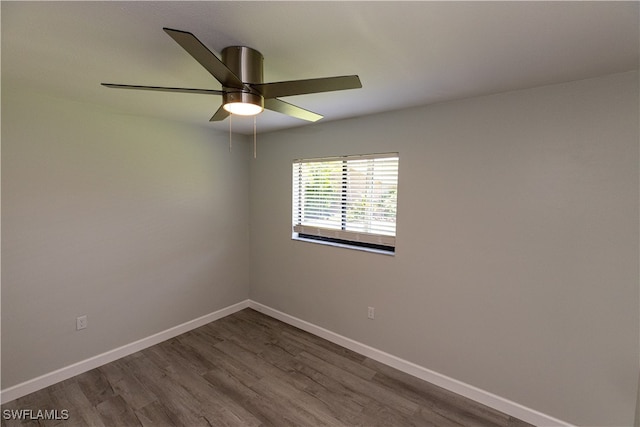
{"x":312,"y":410}
{"x":254,"y":363}
{"x":514,"y":422}
{"x":95,"y":386}
{"x":81,"y":412}
{"x":214,"y":405}
{"x":380,"y":414}
{"x":362,"y":386}
{"x":153,"y":415}
{"x":345,"y":410}
{"x":275,"y":329}
{"x":427,"y":417}
{"x":123,"y":384}
{"x":178,"y":402}
{"x":223,"y":361}
{"x":307,"y":340}
{"x":250,"y":370}
{"x":345,"y":359}
{"x":436,"y":399}
{"x":114,"y":411}
{"x":269,"y":412}
{"x":323,"y":384}
{"x":177,"y":351}
{"x":240,"y":335}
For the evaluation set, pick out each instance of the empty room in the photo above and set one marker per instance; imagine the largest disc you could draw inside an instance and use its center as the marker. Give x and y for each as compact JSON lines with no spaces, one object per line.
{"x":320,"y":213}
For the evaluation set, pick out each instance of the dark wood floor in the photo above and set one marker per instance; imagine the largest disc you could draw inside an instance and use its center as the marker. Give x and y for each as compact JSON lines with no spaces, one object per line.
{"x":248,"y":369}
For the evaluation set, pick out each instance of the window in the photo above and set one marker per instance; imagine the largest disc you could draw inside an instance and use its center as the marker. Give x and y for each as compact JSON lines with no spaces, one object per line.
{"x":349,"y":200}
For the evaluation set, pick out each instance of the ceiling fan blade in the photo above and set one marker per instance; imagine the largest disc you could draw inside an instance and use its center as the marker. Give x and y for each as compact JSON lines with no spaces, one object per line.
{"x":205,"y":57}
{"x":280,"y":106}
{"x":220,"y":115}
{"x":165,"y":89}
{"x":302,"y":87}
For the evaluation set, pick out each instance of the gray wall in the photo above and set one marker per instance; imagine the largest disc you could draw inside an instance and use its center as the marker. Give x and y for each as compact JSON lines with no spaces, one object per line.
{"x":141,"y":224}
{"x":517,"y":245}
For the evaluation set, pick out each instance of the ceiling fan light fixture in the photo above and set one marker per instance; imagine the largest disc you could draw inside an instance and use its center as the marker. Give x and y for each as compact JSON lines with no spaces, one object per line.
{"x":243,"y":103}
{"x":243,"y":108}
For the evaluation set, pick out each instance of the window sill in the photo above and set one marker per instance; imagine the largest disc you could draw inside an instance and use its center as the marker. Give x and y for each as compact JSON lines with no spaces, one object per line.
{"x":294,"y":236}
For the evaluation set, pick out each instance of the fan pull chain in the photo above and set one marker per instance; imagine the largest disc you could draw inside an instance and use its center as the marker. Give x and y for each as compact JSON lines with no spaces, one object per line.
{"x":230,"y":115}
{"x":254,"y":137}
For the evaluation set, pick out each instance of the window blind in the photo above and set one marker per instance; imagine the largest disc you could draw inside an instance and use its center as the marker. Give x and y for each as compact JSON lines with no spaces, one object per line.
{"x":352,"y":198}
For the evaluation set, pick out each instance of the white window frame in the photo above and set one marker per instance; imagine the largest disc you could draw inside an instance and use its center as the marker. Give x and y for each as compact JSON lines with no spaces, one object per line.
{"x":353,"y":186}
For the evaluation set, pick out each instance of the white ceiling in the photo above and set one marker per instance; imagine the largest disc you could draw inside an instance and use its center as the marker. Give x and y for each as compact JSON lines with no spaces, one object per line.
{"x":406,"y":53}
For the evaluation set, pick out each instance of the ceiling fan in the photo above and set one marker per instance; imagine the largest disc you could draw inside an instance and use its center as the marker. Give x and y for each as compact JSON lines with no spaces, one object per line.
{"x":243,"y":90}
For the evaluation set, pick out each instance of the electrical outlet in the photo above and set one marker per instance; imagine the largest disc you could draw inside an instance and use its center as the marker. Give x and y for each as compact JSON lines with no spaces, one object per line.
{"x":371,"y":313}
{"x":81,"y":322}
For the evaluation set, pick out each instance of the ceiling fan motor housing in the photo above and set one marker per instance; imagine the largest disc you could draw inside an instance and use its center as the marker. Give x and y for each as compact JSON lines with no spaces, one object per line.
{"x":246,"y":63}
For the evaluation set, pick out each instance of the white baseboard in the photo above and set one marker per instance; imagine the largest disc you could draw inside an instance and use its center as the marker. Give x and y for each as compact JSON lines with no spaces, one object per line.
{"x":496,"y":402}
{"x":67,"y":372}
{"x":481,"y":396}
